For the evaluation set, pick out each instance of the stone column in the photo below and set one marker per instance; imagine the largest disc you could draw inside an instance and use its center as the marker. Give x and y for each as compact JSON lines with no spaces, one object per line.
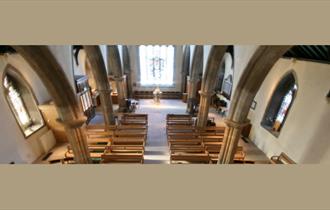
{"x":196,"y":70}
{"x":185,"y":67}
{"x":231,"y":138}
{"x":121,"y":92}
{"x":74,"y":130}
{"x":115,"y":66}
{"x":192,"y":97}
{"x":210,"y":77}
{"x":101,"y":78}
{"x":204,"y":105}
{"x":127,"y":71}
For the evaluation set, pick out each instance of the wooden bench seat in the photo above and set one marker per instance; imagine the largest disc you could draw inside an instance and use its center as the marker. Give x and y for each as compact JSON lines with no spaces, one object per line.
{"x":125,"y":149}
{"x":188,"y":149}
{"x":98,"y":141}
{"x":212,"y":139}
{"x":100,"y":127}
{"x":184,"y":142}
{"x":122,"y":157}
{"x":128,"y":133}
{"x":180,"y":123}
{"x":183,"y":157}
{"x":238,"y":156}
{"x":131,"y":127}
{"x":183,"y":134}
{"x":128,"y":141}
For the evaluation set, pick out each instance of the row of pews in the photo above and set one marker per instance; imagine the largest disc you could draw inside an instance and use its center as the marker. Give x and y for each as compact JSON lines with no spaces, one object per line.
{"x":189,"y":144}
{"x":122,"y":143}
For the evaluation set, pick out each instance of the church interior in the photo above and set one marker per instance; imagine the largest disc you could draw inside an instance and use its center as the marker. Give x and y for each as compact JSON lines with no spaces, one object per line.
{"x":165,"y":104}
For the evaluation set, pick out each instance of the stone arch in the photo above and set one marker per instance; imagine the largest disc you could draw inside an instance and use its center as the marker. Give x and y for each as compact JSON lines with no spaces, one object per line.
{"x":43,"y":62}
{"x":251,"y":79}
{"x":196,"y":70}
{"x":215,"y":60}
{"x":185,"y":67}
{"x":100,"y":75}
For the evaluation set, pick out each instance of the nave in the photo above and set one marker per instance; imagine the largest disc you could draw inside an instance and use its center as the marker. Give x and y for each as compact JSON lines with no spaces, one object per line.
{"x":164,"y":104}
{"x":157,"y":149}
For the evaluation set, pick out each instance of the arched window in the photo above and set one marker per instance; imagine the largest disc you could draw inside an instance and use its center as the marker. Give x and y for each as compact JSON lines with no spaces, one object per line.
{"x":280,"y":104}
{"x":156,"y":65}
{"x":22,"y":102}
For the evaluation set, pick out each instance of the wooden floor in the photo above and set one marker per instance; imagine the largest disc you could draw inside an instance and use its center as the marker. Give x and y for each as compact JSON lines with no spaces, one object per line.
{"x":156,"y":150}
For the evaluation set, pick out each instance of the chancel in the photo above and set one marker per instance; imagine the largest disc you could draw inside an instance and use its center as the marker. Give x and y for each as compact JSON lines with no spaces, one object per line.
{"x":167,"y":104}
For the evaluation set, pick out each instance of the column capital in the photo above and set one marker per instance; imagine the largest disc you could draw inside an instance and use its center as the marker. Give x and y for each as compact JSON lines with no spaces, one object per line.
{"x":193,"y":80}
{"x":234,"y":124}
{"x":107,"y":91}
{"x":73,"y":123}
{"x":119,"y":78}
{"x":206,"y":93}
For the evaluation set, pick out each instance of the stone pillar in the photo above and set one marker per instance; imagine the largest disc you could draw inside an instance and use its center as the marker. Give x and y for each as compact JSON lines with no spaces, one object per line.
{"x":74,"y":130}
{"x":204,"y":105}
{"x":231,"y":138}
{"x":185,"y":67}
{"x":196,"y":70}
{"x":115,"y":66}
{"x":210,"y":77}
{"x":101,"y":78}
{"x":121,"y":92}
{"x":127,"y":71}
{"x":192,"y":98}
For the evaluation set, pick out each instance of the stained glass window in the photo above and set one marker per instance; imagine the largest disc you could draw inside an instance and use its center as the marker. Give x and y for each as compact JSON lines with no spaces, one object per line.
{"x":280,"y":104}
{"x":17,"y":103}
{"x":156,"y":65}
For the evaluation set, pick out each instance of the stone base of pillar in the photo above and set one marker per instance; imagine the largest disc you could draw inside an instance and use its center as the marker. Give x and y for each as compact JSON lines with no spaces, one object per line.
{"x":230,"y":141}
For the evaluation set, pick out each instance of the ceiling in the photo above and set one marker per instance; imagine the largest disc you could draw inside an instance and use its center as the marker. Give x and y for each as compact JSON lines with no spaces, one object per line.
{"x":319,"y":53}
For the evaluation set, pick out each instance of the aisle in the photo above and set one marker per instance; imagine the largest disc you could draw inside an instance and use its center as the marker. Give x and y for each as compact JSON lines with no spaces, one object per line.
{"x":156,"y":150}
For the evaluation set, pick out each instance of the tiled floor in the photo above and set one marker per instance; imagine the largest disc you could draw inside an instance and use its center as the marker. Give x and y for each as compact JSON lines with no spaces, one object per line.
{"x":156,"y":150}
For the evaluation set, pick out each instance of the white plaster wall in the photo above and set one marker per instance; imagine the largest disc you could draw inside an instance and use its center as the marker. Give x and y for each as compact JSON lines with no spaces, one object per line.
{"x":13,"y":145}
{"x":242,"y":54}
{"x":305,"y":136}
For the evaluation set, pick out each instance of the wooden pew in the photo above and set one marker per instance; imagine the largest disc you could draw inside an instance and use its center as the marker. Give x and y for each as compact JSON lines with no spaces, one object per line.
{"x":185,"y":142}
{"x":212,"y":138}
{"x":121,"y":157}
{"x":131,"y":127}
{"x":180,"y":128}
{"x":178,"y":116}
{"x":125,"y":149}
{"x":134,"y":119}
{"x":187,"y":148}
{"x":128,"y":141}
{"x":101,"y":127}
{"x":182,"y":135}
{"x":179,"y":119}
{"x":184,"y":157}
